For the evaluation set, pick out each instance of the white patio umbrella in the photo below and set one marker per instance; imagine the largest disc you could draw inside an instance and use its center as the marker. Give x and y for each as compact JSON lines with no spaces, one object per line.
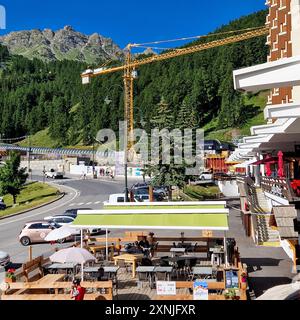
{"x":61,"y":233}
{"x":73,"y":255}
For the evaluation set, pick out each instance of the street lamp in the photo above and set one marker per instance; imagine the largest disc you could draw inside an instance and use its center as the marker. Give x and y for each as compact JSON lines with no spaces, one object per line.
{"x":108,"y":101}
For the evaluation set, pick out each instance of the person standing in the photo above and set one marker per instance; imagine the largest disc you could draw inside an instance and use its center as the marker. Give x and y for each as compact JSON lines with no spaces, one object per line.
{"x":77,"y":292}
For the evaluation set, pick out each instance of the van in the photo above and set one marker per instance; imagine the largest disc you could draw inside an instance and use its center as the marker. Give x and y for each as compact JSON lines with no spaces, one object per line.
{"x":116,"y":198}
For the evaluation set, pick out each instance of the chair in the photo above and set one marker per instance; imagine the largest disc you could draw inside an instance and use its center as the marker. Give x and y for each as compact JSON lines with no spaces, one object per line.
{"x":161,"y":276}
{"x":180,"y":267}
{"x":122,"y":264}
{"x":142,"y":278}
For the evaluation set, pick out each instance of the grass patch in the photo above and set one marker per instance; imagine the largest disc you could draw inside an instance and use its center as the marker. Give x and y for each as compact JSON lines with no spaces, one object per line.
{"x":209,"y":192}
{"x":40,"y":139}
{"x":32,"y":195}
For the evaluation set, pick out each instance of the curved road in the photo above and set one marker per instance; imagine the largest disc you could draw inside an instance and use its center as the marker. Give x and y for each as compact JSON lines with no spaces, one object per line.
{"x":79,"y":194}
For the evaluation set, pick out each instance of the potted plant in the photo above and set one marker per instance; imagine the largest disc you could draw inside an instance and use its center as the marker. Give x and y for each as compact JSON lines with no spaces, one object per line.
{"x":230,"y":294}
{"x":10,"y":275}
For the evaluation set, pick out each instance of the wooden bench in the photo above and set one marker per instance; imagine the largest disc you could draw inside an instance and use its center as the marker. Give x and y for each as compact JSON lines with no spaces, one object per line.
{"x":30,"y":290}
{"x":87,"y":296}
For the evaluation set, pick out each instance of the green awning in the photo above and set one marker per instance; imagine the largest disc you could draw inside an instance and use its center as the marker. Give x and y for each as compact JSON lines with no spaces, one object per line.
{"x":117,"y":207}
{"x":152,"y":221}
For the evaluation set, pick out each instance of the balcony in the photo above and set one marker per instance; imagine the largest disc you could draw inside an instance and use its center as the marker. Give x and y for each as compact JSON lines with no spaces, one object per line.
{"x":279,"y":190}
{"x":277,"y":74}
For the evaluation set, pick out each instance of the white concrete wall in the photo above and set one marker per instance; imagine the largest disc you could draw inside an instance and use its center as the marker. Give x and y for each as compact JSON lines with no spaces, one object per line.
{"x":229,"y":188}
{"x":38,"y":165}
{"x":88,"y":170}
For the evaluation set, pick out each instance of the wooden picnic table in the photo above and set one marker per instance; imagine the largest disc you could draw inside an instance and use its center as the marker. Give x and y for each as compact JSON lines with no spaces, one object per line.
{"x":98,"y":248}
{"x":50,"y":279}
{"x":130,"y":258}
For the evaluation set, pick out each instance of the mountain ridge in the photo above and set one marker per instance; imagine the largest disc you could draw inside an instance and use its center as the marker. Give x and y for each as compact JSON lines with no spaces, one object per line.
{"x":62,"y":44}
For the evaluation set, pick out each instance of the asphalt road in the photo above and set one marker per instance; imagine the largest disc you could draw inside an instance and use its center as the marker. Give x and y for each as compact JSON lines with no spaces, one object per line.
{"x":79,"y":194}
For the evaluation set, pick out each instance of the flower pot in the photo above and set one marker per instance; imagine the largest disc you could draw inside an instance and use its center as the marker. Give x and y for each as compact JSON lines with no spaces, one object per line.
{"x":10,"y":280}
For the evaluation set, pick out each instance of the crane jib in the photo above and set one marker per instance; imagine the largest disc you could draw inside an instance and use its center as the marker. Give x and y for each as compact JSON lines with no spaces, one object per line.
{"x":188,"y":50}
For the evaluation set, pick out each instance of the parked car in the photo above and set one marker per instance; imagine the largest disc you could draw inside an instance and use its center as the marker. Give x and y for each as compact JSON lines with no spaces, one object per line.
{"x":68,"y":213}
{"x":2,"y":206}
{"x":36,"y":232}
{"x":206,"y":175}
{"x":141,"y":189}
{"x":4,"y":259}
{"x":115,"y":198}
{"x":138,"y":197}
{"x":54,"y":174}
{"x":63,"y":220}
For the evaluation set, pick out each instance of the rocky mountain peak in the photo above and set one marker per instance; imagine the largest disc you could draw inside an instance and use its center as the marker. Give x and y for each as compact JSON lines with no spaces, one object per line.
{"x":68,"y":28}
{"x":63,"y":44}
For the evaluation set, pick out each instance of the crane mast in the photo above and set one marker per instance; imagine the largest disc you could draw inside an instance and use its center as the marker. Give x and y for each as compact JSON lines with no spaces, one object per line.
{"x":128,"y":79}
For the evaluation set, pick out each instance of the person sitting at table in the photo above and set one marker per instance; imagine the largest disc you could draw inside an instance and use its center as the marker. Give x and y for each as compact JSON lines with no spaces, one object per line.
{"x":144,"y":245}
{"x":133,"y":248}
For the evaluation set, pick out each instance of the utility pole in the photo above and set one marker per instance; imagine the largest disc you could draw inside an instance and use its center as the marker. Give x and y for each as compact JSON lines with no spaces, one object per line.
{"x":94,"y":158}
{"x":29,"y":151}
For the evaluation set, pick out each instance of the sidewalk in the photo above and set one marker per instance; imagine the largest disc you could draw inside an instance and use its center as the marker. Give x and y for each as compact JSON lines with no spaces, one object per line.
{"x":267,"y":267}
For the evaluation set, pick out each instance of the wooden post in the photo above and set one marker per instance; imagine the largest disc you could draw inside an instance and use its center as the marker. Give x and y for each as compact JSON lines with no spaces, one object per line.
{"x":151,"y":198}
{"x":30,"y":253}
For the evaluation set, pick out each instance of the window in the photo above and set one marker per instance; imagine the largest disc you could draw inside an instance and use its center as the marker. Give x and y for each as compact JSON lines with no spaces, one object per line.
{"x":39,"y":226}
{"x":120,"y":199}
{"x":45,"y":226}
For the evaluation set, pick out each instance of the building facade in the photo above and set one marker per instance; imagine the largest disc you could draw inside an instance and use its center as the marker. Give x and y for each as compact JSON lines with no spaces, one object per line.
{"x":271,"y":201}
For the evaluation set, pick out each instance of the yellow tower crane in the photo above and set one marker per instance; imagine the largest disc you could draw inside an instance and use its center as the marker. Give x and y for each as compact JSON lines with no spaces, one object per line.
{"x":130,"y":66}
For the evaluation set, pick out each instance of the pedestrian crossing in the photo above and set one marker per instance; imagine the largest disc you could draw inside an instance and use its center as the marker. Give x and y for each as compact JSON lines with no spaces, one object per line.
{"x":80,"y":204}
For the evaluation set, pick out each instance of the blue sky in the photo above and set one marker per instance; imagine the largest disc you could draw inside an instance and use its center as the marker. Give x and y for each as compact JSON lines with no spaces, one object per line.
{"x":128,"y":21}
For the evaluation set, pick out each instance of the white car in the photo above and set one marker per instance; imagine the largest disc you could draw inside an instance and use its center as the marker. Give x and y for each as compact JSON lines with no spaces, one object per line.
{"x":62,"y":220}
{"x":54,"y":174}
{"x":206,"y":175}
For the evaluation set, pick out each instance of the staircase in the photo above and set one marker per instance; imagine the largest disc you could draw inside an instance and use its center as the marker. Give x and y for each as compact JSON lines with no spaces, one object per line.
{"x":265,"y":235}
{"x":260,"y":203}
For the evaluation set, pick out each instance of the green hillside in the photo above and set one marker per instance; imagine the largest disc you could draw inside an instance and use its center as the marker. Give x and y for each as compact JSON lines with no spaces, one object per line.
{"x":48,"y":101}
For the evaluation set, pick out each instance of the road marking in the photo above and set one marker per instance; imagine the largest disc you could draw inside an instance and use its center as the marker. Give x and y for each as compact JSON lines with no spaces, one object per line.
{"x":97,"y":202}
{"x":40,"y":213}
{"x":89,"y":203}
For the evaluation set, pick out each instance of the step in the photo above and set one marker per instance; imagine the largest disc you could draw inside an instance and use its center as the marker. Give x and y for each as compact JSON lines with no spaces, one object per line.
{"x":275,"y":244}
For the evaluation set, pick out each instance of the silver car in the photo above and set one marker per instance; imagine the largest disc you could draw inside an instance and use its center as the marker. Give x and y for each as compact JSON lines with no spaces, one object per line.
{"x":4,"y":259}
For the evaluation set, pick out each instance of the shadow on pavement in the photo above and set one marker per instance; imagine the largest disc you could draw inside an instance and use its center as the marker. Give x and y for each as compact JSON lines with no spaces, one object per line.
{"x":260,"y":284}
{"x":256,"y":264}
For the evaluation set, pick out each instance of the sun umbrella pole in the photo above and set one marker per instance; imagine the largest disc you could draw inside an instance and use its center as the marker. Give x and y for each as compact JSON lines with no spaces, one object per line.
{"x":82,"y":271}
{"x":225,"y":250}
{"x":106,"y":241}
